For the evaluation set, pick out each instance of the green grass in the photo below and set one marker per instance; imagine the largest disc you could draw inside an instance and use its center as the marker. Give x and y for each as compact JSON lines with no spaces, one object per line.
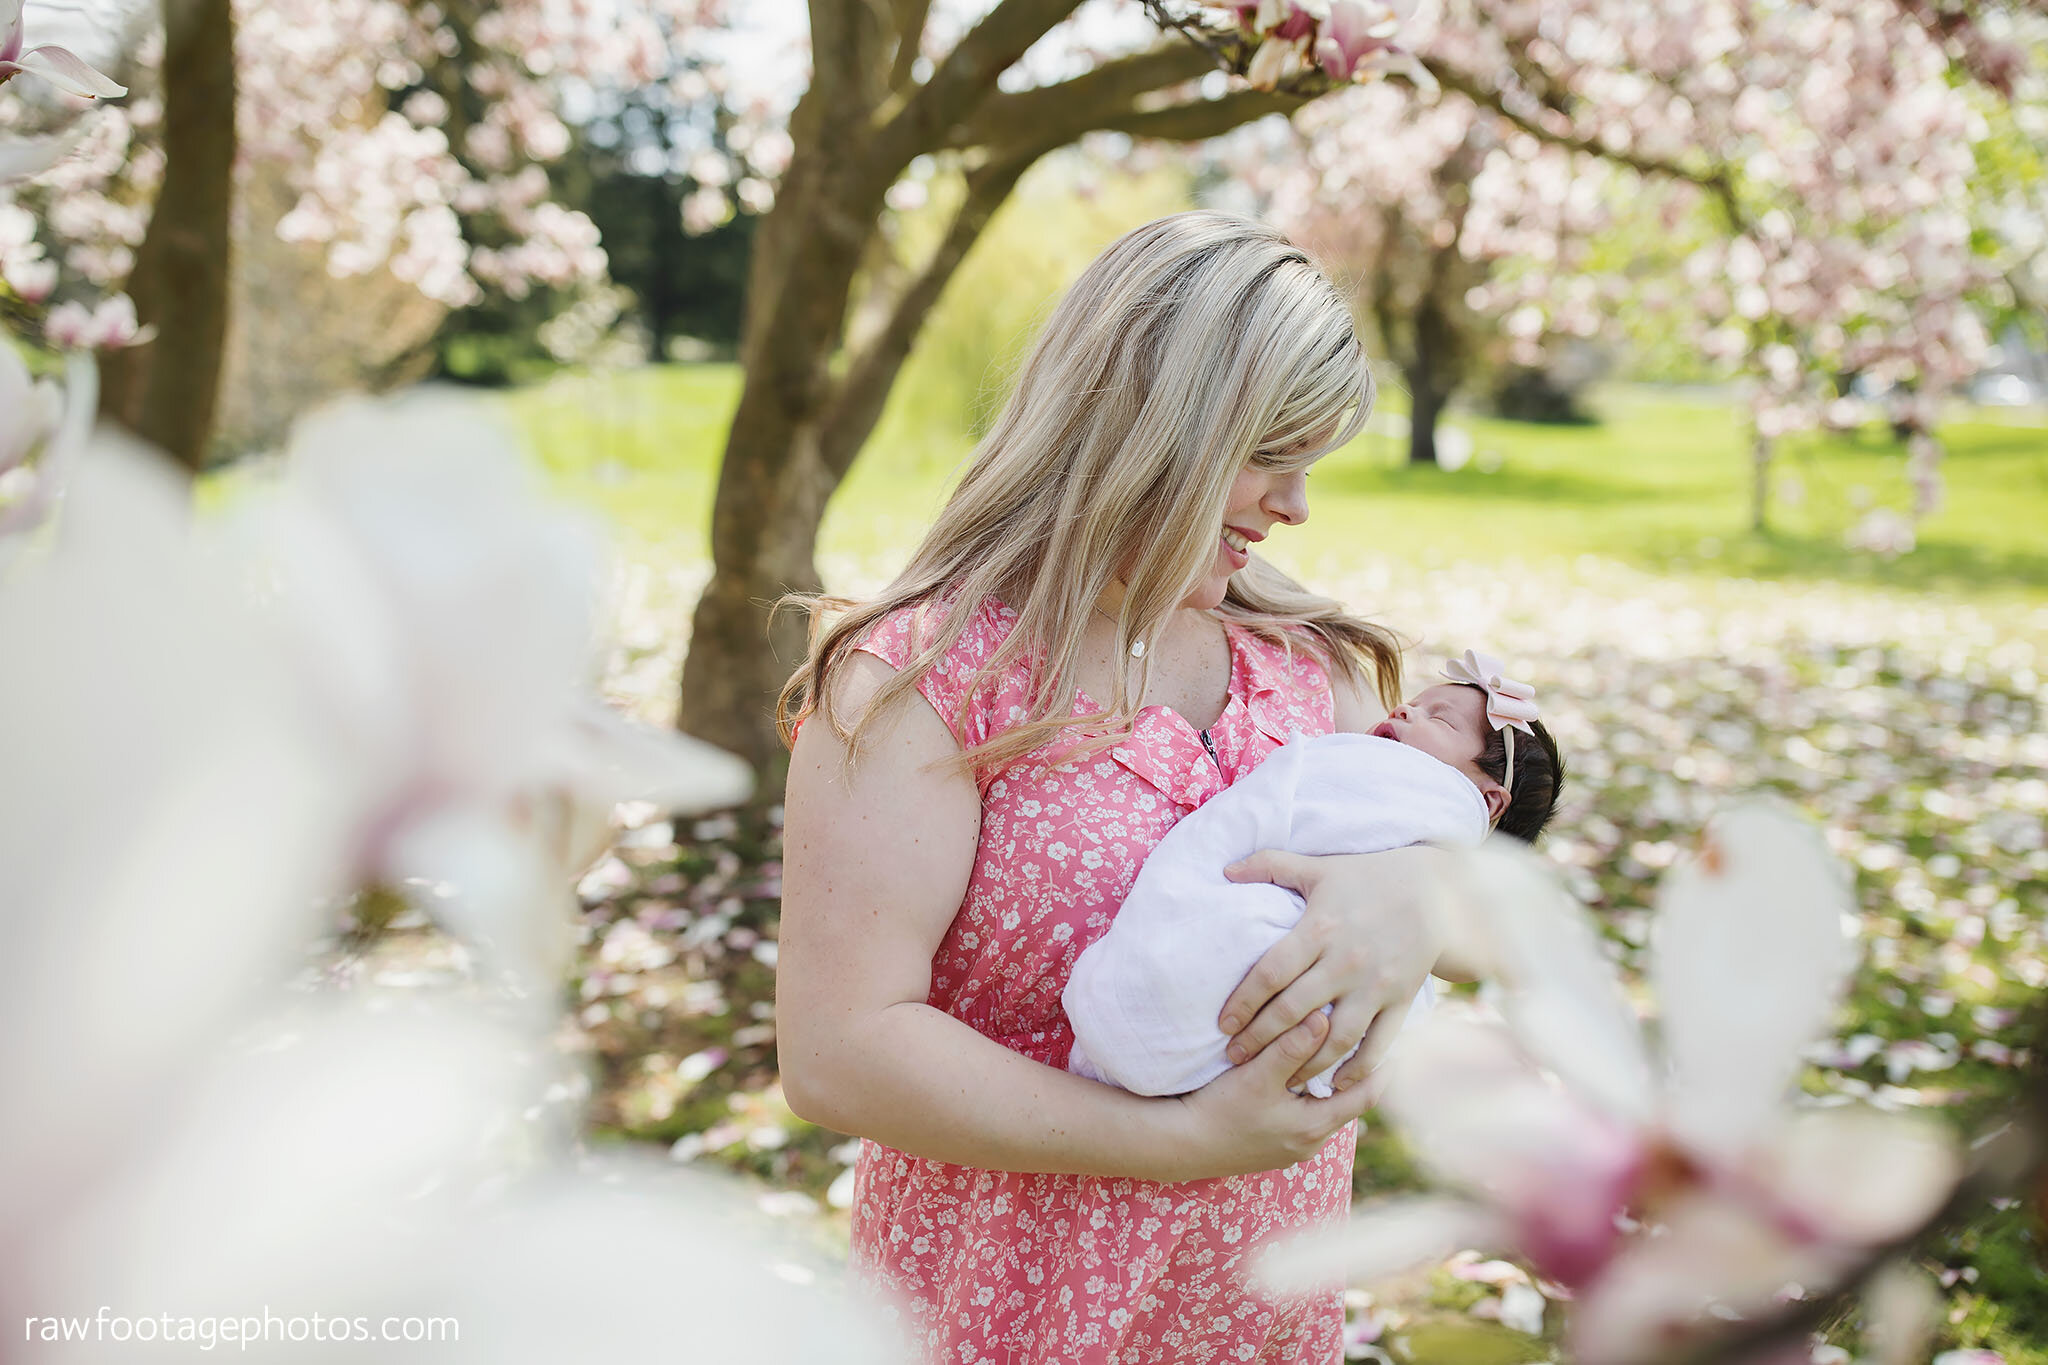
{"x":1661,"y":483}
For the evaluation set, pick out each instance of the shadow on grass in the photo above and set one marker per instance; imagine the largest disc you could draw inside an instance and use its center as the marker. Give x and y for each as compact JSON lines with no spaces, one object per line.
{"x":1936,"y":565}
{"x":1505,"y":485}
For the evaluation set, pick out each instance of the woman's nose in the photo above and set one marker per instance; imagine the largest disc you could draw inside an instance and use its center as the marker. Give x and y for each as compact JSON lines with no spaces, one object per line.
{"x":1288,"y":502}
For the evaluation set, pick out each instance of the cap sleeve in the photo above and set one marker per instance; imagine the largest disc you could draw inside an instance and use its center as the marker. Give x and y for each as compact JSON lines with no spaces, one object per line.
{"x":973,"y":706}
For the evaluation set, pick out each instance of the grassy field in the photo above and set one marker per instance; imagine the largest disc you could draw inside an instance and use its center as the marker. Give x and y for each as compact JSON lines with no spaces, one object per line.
{"x":1661,"y":483}
{"x":1683,"y":660}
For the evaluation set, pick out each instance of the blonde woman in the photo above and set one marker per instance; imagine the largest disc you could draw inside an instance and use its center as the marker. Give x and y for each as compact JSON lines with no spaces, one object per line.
{"x":1083,"y":650}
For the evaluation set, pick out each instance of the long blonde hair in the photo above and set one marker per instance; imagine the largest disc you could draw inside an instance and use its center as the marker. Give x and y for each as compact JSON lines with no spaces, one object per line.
{"x":1193,"y":344}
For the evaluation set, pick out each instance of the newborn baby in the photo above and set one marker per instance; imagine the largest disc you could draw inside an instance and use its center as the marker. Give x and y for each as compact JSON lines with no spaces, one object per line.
{"x":1450,"y":764}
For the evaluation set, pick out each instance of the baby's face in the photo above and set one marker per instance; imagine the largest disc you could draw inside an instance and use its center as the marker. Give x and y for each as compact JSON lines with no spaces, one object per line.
{"x":1447,"y":721}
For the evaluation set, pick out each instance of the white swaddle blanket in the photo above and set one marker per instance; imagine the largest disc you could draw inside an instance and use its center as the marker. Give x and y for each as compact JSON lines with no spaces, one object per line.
{"x":1144,"y":998}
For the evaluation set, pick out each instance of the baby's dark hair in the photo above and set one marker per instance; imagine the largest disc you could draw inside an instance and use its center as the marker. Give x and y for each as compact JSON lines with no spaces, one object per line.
{"x":1539,"y":776}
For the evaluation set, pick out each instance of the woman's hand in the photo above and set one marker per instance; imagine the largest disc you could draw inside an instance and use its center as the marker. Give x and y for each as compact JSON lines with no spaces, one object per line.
{"x":1367,"y":939}
{"x":1247,"y":1119}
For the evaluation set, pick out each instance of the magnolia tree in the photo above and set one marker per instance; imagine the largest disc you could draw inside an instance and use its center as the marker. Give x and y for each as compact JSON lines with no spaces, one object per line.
{"x":405,"y":142}
{"x":985,"y":92}
{"x":1829,"y":145}
{"x":1417,"y":202}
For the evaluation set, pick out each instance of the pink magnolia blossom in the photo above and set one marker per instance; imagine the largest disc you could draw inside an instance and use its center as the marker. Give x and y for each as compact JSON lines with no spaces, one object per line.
{"x":107,"y":325}
{"x":1355,"y":31}
{"x":1655,"y":1186}
{"x":59,"y":66}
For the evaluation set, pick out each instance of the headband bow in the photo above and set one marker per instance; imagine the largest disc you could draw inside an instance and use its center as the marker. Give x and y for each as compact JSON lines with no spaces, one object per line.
{"x":1510,"y":705}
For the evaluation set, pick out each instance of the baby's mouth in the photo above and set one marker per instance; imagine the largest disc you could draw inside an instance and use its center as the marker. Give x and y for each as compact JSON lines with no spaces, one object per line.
{"x":1385,"y":730}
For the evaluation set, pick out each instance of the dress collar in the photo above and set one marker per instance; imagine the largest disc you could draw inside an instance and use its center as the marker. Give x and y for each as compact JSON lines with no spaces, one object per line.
{"x":1167,"y":752}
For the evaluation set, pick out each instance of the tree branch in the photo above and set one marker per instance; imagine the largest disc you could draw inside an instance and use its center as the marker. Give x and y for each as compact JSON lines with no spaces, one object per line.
{"x":964,"y":78}
{"x":1717,"y":181}
{"x":1080,"y":103}
{"x":1199,"y":119}
{"x":859,"y":395}
{"x":910,"y":19}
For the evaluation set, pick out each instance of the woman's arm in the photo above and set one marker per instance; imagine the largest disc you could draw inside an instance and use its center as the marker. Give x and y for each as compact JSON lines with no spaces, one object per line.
{"x":875,"y":865}
{"x":1369,"y":935}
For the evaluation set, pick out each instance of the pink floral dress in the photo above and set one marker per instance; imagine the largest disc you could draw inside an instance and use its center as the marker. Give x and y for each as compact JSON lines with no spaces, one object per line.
{"x":1001,"y":1268}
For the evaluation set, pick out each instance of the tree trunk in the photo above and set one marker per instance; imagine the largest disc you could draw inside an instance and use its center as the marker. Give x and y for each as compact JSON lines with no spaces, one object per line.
{"x":167,"y":390}
{"x":805,"y":409}
{"x":1432,"y":373}
{"x":1426,"y":405}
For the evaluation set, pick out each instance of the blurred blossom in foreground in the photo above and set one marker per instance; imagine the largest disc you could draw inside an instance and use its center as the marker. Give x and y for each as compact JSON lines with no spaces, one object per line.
{"x":59,"y":66}
{"x":46,"y":425}
{"x":188,"y":774}
{"x":1656,"y":1189}
{"x":442,"y":617}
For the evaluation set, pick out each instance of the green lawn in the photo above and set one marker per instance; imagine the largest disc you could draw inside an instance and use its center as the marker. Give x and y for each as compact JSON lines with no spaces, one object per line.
{"x":1661,"y":483}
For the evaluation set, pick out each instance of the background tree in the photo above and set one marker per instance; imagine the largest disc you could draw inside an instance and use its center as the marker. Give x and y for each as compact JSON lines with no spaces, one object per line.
{"x":887,"y":92}
{"x":385,"y":141}
{"x":1823,"y":153}
{"x":167,"y":391}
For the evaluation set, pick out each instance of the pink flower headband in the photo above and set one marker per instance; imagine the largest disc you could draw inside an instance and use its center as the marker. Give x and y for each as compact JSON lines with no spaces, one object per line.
{"x":1510,"y":705}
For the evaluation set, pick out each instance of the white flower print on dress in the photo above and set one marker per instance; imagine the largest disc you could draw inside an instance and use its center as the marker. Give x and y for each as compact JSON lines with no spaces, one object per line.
{"x":1038,"y":1269}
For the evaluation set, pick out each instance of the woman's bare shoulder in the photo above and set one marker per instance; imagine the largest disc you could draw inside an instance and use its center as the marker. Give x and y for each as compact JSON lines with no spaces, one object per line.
{"x":1354,"y":706}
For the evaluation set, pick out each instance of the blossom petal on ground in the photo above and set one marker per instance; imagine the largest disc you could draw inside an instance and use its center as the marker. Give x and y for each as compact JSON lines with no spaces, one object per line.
{"x":1382,"y":1239}
{"x":1749,"y":961}
{"x":1563,"y":997}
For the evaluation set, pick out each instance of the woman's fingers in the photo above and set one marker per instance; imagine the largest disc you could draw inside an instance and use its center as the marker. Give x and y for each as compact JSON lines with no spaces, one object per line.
{"x":1349,"y":1021}
{"x":1250,"y":1011}
{"x":1345,"y":1105}
{"x":1355,"y":1070}
{"x":1294,"y":1046}
{"x":1281,"y":1013}
{"x":1379,"y":1039}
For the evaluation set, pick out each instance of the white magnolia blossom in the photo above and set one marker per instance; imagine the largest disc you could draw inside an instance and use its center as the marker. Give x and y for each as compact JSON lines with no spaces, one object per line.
{"x":47,"y":425}
{"x":189,"y":774}
{"x":442,"y":617}
{"x":1655,"y":1185}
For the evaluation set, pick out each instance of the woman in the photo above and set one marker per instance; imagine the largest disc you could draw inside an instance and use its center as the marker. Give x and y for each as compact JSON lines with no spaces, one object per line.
{"x":956,"y":834}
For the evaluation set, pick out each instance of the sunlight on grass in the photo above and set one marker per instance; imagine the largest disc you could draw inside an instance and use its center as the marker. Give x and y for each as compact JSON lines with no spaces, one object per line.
{"x":1662,"y":484}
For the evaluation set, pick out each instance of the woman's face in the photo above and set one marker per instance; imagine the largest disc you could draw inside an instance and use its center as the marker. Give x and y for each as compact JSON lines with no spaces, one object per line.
{"x":1259,"y":499}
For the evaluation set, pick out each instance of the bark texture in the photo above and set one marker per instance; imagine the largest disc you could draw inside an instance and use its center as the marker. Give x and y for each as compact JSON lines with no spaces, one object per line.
{"x":167,"y":390}
{"x":812,"y":394}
